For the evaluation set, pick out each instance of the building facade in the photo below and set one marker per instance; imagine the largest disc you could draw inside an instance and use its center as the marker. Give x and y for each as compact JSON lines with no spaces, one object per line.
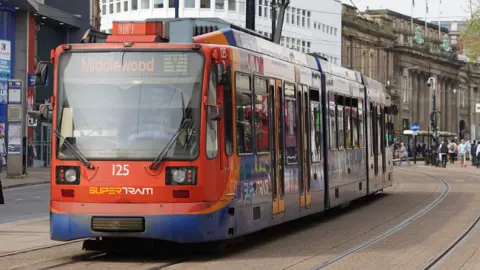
{"x":305,"y":29}
{"x":30,"y":29}
{"x":404,"y":60}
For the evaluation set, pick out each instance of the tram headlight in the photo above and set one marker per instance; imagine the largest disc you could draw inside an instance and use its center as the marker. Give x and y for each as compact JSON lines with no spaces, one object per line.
{"x":67,"y":175}
{"x":181,"y":176}
{"x":70,"y":176}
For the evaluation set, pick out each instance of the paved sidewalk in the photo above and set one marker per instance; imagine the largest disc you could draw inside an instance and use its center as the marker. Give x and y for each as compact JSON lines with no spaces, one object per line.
{"x":35,"y":176}
{"x":25,"y":235}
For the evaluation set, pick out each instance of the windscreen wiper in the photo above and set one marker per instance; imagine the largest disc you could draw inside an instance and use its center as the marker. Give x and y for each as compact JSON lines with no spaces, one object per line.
{"x":77,"y":153}
{"x":156,"y":162}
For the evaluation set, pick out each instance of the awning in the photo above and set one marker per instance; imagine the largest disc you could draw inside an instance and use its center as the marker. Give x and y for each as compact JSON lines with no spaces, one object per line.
{"x":426,"y":133}
{"x":44,"y":11}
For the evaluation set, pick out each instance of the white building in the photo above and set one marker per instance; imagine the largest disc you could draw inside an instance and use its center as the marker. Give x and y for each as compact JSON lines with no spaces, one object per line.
{"x":309,"y":26}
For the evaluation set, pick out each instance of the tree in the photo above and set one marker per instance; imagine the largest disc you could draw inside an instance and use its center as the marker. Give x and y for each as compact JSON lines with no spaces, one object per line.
{"x":470,"y":34}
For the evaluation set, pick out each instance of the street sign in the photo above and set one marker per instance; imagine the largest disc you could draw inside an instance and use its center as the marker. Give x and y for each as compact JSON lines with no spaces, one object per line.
{"x":414,"y":127}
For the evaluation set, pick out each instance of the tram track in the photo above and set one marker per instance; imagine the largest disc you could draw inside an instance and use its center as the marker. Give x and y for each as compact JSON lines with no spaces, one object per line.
{"x":396,"y":228}
{"x":261,"y":241}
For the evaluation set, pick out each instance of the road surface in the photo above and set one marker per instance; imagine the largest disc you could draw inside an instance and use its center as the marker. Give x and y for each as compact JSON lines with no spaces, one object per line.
{"x":25,"y":203}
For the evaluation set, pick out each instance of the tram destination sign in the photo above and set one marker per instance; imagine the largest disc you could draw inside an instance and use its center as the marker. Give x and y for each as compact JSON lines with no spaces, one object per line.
{"x":130,"y":64}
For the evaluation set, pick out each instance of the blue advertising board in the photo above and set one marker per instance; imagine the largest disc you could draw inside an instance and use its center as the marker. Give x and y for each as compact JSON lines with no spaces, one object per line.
{"x":5,"y":68}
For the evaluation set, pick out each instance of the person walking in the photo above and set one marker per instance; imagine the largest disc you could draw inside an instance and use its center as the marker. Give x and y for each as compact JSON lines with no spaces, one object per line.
{"x":473,"y":152}
{"x":478,"y":154}
{"x":462,"y":154}
{"x":443,"y":150}
{"x":403,"y":154}
{"x":452,"y":148}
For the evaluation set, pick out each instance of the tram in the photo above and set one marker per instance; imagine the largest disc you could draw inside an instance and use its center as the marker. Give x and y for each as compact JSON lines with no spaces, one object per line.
{"x":208,"y":140}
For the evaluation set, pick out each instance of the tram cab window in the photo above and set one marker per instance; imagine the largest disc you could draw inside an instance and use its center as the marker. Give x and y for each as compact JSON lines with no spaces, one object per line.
{"x":262,"y":123}
{"x":291,"y":127}
{"x":212,"y":126}
{"x":243,"y":103}
{"x":315,"y":125}
{"x":332,"y":125}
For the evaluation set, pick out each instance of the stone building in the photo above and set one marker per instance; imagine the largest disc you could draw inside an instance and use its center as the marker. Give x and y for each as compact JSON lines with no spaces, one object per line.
{"x":383,"y":45}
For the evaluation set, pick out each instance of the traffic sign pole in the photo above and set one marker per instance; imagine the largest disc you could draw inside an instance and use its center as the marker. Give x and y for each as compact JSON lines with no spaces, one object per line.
{"x":414,"y":127}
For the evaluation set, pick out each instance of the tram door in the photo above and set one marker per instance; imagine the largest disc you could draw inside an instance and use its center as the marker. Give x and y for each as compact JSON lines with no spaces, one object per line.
{"x":304,"y":125}
{"x":276,"y":116}
{"x":381,"y":126}
{"x":375,"y":140}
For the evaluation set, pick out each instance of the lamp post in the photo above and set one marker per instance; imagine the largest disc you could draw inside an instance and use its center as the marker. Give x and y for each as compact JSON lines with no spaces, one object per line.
{"x":432,"y":83}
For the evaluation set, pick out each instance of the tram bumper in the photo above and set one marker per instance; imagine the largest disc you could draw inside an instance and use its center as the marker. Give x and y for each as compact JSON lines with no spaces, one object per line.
{"x":180,"y":228}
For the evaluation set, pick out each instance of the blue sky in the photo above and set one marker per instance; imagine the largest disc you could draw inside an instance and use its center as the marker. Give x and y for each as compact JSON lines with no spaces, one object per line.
{"x":451,"y":9}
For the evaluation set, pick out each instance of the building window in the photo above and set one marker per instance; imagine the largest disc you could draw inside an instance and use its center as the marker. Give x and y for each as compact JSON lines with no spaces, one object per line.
{"x":158,"y":3}
{"x":145,"y":4}
{"x":125,"y":5}
{"x":104,"y":7}
{"x":189,"y":3}
{"x":171,"y":3}
{"x":232,"y":5}
{"x":241,"y":4}
{"x":335,"y":32}
{"x":308,"y":19}
{"x":119,"y":6}
{"x":204,"y":3}
{"x":110,"y":7}
{"x":134,"y":4}
{"x":298,"y":17}
{"x":323,"y":28}
{"x":293,"y":15}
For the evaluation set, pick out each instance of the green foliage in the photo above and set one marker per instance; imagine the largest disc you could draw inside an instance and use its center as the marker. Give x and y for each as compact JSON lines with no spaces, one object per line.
{"x":470,"y":36}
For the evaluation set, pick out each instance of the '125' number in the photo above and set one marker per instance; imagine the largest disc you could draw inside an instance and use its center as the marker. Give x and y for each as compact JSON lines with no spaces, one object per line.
{"x":120,"y":170}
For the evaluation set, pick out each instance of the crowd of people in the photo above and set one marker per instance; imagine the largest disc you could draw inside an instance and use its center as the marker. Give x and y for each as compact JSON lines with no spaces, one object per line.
{"x":447,"y":151}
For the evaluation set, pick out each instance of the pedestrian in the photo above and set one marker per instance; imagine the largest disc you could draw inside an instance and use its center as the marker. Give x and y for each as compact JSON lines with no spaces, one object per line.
{"x":462,"y":153}
{"x":478,"y":154}
{"x":2,"y":151}
{"x":403,"y":154}
{"x":473,"y":152}
{"x":443,"y":150}
{"x":452,"y":148}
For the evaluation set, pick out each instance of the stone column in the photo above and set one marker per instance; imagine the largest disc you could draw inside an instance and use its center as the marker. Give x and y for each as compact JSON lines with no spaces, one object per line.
{"x":448,"y":105}
{"x":441,"y":86}
{"x":413,"y":97}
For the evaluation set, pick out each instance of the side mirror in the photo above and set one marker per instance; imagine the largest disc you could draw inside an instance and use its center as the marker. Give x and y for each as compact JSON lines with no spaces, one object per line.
{"x":41,"y":73}
{"x":214,"y":112}
{"x":44,"y":111}
{"x":223,"y":70}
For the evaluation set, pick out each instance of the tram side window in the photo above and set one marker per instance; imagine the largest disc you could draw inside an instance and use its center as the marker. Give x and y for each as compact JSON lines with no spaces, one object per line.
{"x":348,"y":123}
{"x":340,"y":123}
{"x":379,"y":131}
{"x":355,"y":123}
{"x":212,"y":126}
{"x":227,"y":120}
{"x":332,"y":125}
{"x":261,"y":115}
{"x":315,"y":125}
{"x":361,"y":127}
{"x":243,"y":103}
{"x":291,"y":127}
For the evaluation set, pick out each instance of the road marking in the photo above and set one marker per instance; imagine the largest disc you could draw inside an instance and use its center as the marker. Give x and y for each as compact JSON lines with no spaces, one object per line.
{"x":18,"y":199}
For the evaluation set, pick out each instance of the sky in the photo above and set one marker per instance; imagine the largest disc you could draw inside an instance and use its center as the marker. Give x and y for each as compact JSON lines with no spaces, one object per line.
{"x":450,"y":9}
